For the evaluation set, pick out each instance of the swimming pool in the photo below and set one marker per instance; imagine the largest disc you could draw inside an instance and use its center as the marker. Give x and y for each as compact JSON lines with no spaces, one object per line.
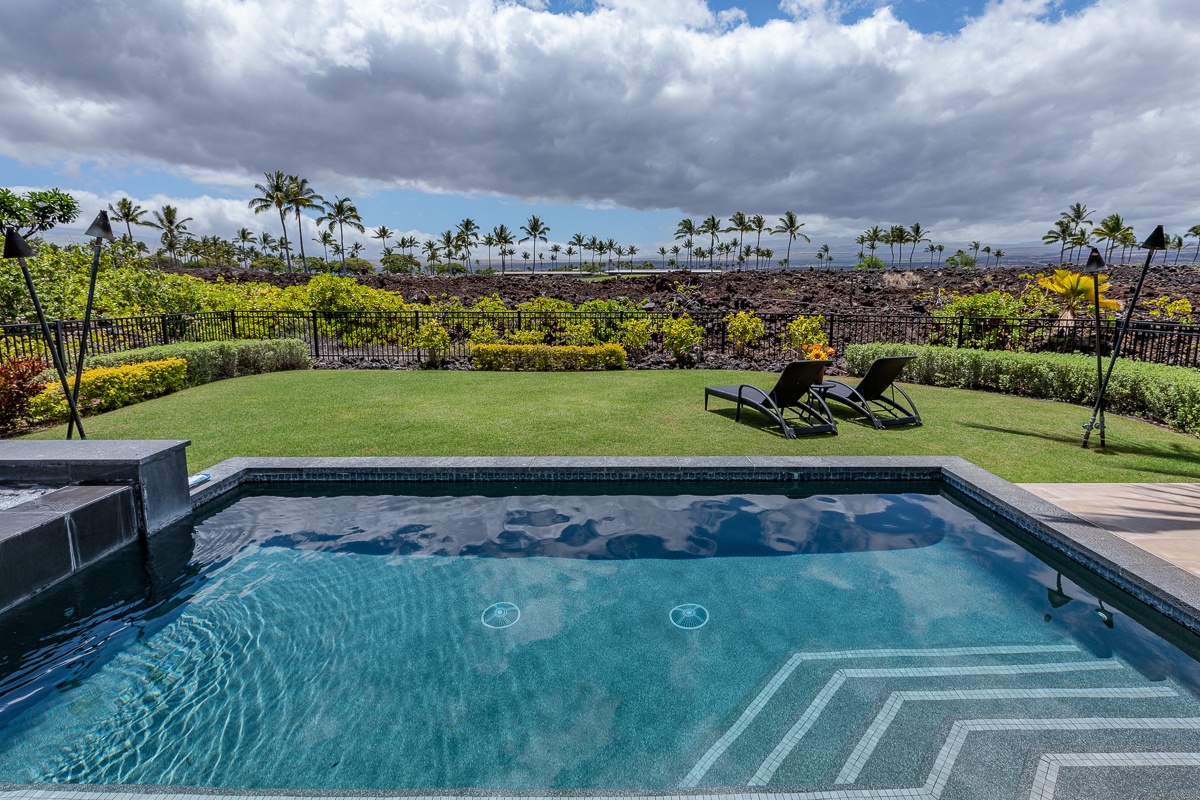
{"x":801,"y":636}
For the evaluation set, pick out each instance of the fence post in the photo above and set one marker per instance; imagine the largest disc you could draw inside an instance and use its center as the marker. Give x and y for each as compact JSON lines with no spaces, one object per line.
{"x":831,"y":321}
{"x":59,"y":335}
{"x":162,"y":328}
{"x":232,"y":324}
{"x":316,"y":337}
{"x":961,"y":320}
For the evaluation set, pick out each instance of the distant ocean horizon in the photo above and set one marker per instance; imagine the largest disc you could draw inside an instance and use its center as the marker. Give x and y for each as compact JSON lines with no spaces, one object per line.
{"x":1033,"y":255}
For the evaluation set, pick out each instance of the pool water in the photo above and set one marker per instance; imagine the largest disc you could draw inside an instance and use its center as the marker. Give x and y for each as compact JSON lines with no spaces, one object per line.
{"x":598,"y":641}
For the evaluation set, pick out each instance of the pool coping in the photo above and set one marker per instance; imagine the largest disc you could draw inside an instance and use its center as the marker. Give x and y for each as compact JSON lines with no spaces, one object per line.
{"x":1168,"y":589}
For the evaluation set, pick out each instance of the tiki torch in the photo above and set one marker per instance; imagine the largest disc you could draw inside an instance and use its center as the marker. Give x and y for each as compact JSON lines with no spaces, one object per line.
{"x":100,"y":229}
{"x":18,"y":248}
{"x":1156,"y":241}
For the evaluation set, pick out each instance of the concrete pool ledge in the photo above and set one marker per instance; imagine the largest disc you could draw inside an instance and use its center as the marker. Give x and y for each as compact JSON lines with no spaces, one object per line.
{"x":1168,"y":589}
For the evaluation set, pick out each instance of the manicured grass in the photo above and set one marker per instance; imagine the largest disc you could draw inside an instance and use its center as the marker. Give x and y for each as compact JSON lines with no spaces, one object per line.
{"x":401,"y":413}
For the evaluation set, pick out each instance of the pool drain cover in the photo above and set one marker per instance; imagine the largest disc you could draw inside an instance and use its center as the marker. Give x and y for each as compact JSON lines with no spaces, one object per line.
{"x":501,"y":615}
{"x":689,"y":615}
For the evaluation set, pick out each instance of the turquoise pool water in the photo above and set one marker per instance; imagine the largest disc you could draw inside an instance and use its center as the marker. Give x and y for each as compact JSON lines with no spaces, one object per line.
{"x":604,"y":640}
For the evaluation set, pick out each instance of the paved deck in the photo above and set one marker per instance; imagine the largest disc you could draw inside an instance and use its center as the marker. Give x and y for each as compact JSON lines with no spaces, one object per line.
{"x":1163,"y":518}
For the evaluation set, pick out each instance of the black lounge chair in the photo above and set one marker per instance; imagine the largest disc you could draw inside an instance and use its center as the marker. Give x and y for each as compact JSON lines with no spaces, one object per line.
{"x":792,"y":403}
{"x":875,"y":396}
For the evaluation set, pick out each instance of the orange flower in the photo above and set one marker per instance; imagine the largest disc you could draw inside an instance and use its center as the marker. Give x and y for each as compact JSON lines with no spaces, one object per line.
{"x":817,"y":352}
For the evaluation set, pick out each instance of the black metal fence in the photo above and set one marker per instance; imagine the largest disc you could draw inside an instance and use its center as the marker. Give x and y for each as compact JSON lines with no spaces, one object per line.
{"x":397,"y":336}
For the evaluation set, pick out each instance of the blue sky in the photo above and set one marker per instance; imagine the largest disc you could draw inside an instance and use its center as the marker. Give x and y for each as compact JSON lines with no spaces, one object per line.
{"x":614,"y":118}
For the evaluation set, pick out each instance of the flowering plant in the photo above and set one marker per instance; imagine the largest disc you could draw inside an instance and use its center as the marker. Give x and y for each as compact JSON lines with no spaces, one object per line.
{"x":817,"y":352}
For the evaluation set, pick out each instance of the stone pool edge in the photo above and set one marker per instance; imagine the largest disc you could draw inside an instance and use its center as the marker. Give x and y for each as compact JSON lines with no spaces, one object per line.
{"x":1168,"y":589}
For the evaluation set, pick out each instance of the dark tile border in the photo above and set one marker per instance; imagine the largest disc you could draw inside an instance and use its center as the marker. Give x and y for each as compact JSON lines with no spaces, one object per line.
{"x":1168,"y":589}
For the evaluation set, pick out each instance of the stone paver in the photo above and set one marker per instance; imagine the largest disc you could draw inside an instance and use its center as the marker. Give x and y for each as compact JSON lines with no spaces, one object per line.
{"x":1162,"y":518}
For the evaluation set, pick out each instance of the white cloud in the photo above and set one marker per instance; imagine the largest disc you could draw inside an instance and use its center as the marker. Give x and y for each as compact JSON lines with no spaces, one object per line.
{"x":638,"y":103}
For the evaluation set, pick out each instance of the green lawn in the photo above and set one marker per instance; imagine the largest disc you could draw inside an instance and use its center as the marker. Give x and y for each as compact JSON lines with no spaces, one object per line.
{"x":403,"y":413}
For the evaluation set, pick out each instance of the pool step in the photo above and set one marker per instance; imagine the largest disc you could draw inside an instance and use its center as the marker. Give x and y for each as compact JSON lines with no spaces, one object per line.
{"x":921,"y":722}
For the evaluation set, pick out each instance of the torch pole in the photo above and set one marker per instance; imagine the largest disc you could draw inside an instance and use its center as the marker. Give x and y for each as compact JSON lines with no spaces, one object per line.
{"x":58,"y":365}
{"x":1155,"y":242}
{"x":87,"y":325}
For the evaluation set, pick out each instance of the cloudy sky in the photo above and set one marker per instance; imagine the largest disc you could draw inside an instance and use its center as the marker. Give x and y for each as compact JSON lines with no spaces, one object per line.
{"x":614,"y":118}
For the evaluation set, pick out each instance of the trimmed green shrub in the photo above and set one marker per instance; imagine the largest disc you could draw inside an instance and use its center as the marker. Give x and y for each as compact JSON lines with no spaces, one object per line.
{"x":106,"y":388}
{"x":214,"y":361}
{"x":542,"y":358}
{"x":1156,"y":392}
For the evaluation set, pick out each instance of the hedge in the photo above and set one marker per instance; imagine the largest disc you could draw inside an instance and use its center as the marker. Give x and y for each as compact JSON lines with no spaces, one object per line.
{"x":1157,"y":392}
{"x":542,"y":357}
{"x":214,"y":361}
{"x":106,"y":388}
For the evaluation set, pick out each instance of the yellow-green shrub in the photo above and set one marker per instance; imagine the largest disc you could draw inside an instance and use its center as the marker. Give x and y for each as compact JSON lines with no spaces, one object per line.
{"x":634,"y":334}
{"x":804,"y":332}
{"x":744,"y":328}
{"x":528,"y":337}
{"x":681,"y":335}
{"x":434,"y":339}
{"x":106,"y":388}
{"x":542,"y":358}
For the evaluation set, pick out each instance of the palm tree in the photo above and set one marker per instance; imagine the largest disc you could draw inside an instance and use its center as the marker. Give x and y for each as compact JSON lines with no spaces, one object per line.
{"x":468,"y":234}
{"x":173,"y":228}
{"x":1109,"y":230}
{"x":1077,"y":214}
{"x":662,"y":254}
{"x":431,"y":250}
{"x":246,"y":239}
{"x":489,"y":241}
{"x":276,"y":193}
{"x":1061,"y":235}
{"x":631,"y":251}
{"x":555,"y":249}
{"x":570,"y":253}
{"x":998,"y":254}
{"x":758,"y":224}
{"x":451,"y":245}
{"x":739,"y":224}
{"x":326,"y":241}
{"x":579,"y":243}
{"x":535,"y":230}
{"x":383,"y":233}
{"x":791,"y":226}
{"x":988,"y":260}
{"x":1175,"y":243}
{"x":342,"y":212}
{"x":129,"y":213}
{"x":712,"y":227}
{"x":941,"y":249}
{"x":593,"y":246}
{"x":916,"y":235}
{"x":504,"y":238}
{"x":611,"y":247}
{"x":269,"y":243}
{"x":301,"y":197}
{"x":930,"y":248}
{"x":675,"y":253}
{"x":1194,"y":233}
{"x":686,"y":230}
{"x":1081,"y":239}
